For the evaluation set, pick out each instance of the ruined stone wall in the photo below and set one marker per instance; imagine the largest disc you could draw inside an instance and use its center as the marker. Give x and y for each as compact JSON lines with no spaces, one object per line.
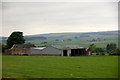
{"x":7,"y":51}
{"x":18,"y":51}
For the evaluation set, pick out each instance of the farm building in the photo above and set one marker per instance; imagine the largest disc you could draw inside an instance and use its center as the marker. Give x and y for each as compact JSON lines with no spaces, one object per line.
{"x":20,"y":49}
{"x":54,"y":50}
{"x":58,"y":50}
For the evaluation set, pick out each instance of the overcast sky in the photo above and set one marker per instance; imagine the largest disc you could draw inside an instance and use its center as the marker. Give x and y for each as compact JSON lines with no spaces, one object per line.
{"x":56,"y":17}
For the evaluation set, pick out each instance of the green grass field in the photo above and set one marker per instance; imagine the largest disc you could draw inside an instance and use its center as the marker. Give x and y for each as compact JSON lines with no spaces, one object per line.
{"x":82,"y":41}
{"x":59,"y":67}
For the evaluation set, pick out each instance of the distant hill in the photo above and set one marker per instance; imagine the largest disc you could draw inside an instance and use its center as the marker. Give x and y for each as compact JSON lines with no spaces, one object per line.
{"x":28,"y":38}
{"x":76,"y":33}
{"x":101,"y":39}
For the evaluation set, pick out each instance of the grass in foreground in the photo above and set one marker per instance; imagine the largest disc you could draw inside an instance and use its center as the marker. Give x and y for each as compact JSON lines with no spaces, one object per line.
{"x":60,"y":67}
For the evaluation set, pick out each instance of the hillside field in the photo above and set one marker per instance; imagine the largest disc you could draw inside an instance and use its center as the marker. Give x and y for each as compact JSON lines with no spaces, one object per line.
{"x":100,"y":39}
{"x":14,"y":66}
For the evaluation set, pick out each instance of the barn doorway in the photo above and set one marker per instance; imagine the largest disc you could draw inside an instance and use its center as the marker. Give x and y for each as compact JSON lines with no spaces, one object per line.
{"x":64,"y":52}
{"x":77,"y":52}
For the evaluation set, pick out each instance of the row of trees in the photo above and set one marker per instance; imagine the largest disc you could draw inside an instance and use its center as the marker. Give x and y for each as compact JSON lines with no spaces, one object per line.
{"x":110,"y":48}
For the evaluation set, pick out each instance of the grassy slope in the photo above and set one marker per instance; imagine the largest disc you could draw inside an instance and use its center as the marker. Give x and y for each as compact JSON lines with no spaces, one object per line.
{"x":60,"y":67}
{"x":82,"y":41}
{"x":110,"y":37}
{"x":105,"y":38}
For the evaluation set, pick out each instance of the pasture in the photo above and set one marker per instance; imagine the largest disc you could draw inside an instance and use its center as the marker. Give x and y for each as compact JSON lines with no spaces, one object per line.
{"x":14,"y":66}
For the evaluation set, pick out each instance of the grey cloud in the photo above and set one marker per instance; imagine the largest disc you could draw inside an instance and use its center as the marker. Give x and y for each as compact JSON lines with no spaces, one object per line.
{"x":58,"y":14}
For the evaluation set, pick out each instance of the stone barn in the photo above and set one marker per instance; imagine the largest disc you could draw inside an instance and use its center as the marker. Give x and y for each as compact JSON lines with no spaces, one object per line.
{"x":20,"y":49}
{"x":58,"y":50}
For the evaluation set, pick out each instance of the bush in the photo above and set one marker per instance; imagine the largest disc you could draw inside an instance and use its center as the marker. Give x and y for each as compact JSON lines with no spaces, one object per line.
{"x":100,"y":53}
{"x":97,"y":53}
{"x":103,"y":53}
{"x":25,"y":54}
{"x":99,"y":50}
{"x":114,"y":53}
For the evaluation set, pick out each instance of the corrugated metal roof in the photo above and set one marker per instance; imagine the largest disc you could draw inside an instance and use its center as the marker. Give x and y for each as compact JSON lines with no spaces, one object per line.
{"x":41,"y":48}
{"x":68,"y":47}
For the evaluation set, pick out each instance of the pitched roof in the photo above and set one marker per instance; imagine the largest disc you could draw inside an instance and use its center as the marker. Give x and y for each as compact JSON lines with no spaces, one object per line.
{"x":22,"y":46}
{"x":68,"y":47}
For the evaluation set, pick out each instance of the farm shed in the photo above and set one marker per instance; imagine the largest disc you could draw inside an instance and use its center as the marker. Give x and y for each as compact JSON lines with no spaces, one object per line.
{"x":58,"y":50}
{"x":20,"y":49}
{"x":45,"y":51}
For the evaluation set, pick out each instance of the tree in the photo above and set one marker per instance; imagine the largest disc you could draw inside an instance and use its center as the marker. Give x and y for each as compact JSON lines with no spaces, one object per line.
{"x":92,"y":47}
{"x":108,"y":47}
{"x":118,"y":51}
{"x":15,"y":38}
{"x":111,"y":47}
{"x":97,"y":50}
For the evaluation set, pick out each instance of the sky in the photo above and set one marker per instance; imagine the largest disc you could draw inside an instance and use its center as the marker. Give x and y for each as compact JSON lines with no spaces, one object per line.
{"x":57,"y":17}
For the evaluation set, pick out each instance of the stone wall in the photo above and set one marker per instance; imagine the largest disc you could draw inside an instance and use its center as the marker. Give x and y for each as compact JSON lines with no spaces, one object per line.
{"x":7,"y":51}
{"x":45,"y":55}
{"x":18,"y":51}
